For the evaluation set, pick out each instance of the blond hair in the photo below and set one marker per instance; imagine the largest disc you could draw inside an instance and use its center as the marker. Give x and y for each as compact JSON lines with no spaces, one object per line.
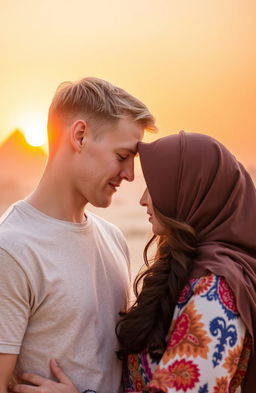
{"x":98,"y":99}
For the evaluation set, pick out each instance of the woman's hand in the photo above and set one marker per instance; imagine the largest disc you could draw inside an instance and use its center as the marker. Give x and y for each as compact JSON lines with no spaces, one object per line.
{"x":45,"y":385}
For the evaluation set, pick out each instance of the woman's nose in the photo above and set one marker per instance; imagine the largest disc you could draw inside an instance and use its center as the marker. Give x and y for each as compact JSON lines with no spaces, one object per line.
{"x":143,"y":199}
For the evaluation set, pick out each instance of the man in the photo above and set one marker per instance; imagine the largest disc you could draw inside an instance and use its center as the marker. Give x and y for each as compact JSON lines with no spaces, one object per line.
{"x":63,"y":273}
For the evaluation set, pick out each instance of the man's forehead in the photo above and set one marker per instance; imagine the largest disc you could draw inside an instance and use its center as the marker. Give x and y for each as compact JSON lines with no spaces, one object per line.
{"x":134,"y":151}
{"x":127,"y":138}
{"x":131,"y":148}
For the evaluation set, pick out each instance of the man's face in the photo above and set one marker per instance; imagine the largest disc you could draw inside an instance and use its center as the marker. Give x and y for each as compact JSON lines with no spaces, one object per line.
{"x":106,"y":161}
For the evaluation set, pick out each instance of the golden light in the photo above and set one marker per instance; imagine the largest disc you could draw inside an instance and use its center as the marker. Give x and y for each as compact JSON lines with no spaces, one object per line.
{"x":34,"y":129}
{"x":35,"y":136}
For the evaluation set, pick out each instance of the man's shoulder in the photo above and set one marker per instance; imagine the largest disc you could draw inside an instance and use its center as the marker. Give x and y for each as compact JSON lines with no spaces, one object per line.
{"x":5,"y":217}
{"x":12,"y":218}
{"x":100,"y":220}
{"x":12,"y":227}
{"x":105,"y":225}
{"x":7,"y":223}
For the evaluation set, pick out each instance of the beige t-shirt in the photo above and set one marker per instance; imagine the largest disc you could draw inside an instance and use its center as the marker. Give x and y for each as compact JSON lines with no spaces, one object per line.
{"x":62,"y":286}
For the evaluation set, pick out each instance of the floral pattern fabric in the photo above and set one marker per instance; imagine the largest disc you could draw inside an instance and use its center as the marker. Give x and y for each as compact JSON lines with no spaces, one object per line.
{"x":207,"y":346}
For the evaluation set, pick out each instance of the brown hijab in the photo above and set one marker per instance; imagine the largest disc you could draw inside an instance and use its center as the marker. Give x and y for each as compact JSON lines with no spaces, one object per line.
{"x":195,"y":179}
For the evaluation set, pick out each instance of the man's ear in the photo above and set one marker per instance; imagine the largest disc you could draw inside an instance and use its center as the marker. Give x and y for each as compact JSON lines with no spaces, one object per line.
{"x":79,"y":130}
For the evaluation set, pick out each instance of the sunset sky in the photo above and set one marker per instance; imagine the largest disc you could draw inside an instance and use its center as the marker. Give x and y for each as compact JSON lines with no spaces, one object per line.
{"x":193,"y":62}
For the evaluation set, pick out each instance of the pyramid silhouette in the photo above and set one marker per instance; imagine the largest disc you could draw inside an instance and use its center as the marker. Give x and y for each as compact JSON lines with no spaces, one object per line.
{"x":21,"y":167}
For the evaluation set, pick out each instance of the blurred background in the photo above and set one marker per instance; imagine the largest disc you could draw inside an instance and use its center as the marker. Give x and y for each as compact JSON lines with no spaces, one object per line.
{"x":192,"y":62}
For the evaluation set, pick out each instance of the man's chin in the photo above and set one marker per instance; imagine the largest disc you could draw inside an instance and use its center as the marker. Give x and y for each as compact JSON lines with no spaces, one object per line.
{"x":103,"y":204}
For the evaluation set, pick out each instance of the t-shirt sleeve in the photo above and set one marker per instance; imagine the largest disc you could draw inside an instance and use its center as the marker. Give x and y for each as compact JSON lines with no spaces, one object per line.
{"x":204,"y":345}
{"x":14,"y":304}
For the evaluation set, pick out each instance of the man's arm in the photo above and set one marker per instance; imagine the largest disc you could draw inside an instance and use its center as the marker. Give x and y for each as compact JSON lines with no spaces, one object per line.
{"x":7,"y":365}
{"x":14,"y":314}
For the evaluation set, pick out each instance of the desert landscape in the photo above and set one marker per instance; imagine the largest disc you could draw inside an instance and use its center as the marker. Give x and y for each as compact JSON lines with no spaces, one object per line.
{"x":22,"y":165}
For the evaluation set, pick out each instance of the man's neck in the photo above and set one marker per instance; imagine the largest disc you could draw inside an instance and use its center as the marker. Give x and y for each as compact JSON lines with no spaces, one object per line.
{"x":56,"y":207}
{"x":55,"y":198}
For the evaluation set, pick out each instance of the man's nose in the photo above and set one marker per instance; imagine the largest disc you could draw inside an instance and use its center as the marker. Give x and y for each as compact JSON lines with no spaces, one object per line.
{"x":127,"y":172}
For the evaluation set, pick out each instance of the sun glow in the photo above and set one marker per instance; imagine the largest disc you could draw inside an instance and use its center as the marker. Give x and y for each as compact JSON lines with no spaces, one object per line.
{"x":35,"y":136}
{"x":34,"y":129}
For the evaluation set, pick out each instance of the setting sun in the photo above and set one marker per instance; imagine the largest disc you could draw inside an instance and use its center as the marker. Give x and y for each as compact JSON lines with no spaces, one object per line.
{"x":35,"y":136}
{"x":34,"y":129}
{"x":191,"y":62}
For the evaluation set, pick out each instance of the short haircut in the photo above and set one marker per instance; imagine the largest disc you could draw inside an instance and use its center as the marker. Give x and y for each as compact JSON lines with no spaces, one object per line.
{"x":97,"y":99}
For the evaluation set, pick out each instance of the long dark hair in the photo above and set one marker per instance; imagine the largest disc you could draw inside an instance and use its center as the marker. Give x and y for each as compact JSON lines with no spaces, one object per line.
{"x":146,"y":323}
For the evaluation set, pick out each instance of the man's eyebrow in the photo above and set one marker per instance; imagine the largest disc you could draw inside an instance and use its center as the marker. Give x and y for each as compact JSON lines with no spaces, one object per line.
{"x":131,"y":151}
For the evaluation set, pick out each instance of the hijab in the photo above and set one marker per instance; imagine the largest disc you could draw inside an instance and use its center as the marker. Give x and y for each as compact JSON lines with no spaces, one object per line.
{"x":193,"y":178}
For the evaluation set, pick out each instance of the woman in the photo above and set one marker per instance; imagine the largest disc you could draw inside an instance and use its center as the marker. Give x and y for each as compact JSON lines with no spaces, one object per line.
{"x":192,"y":327}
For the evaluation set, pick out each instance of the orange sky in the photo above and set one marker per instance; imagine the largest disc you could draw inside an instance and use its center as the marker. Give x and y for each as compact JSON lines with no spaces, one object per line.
{"x":193,"y":62}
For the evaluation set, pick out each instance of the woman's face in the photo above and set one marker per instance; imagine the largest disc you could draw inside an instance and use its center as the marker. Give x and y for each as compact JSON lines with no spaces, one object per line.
{"x":157,"y":227}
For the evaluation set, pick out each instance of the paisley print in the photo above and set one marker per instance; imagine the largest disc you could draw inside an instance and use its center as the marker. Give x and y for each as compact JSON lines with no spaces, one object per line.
{"x":182,"y":375}
{"x":188,"y":336}
{"x":207,"y":347}
{"x":233,"y":357}
{"x":227,"y":299}
{"x":221,"y":385}
{"x":203,"y":284}
{"x":226,"y":334}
